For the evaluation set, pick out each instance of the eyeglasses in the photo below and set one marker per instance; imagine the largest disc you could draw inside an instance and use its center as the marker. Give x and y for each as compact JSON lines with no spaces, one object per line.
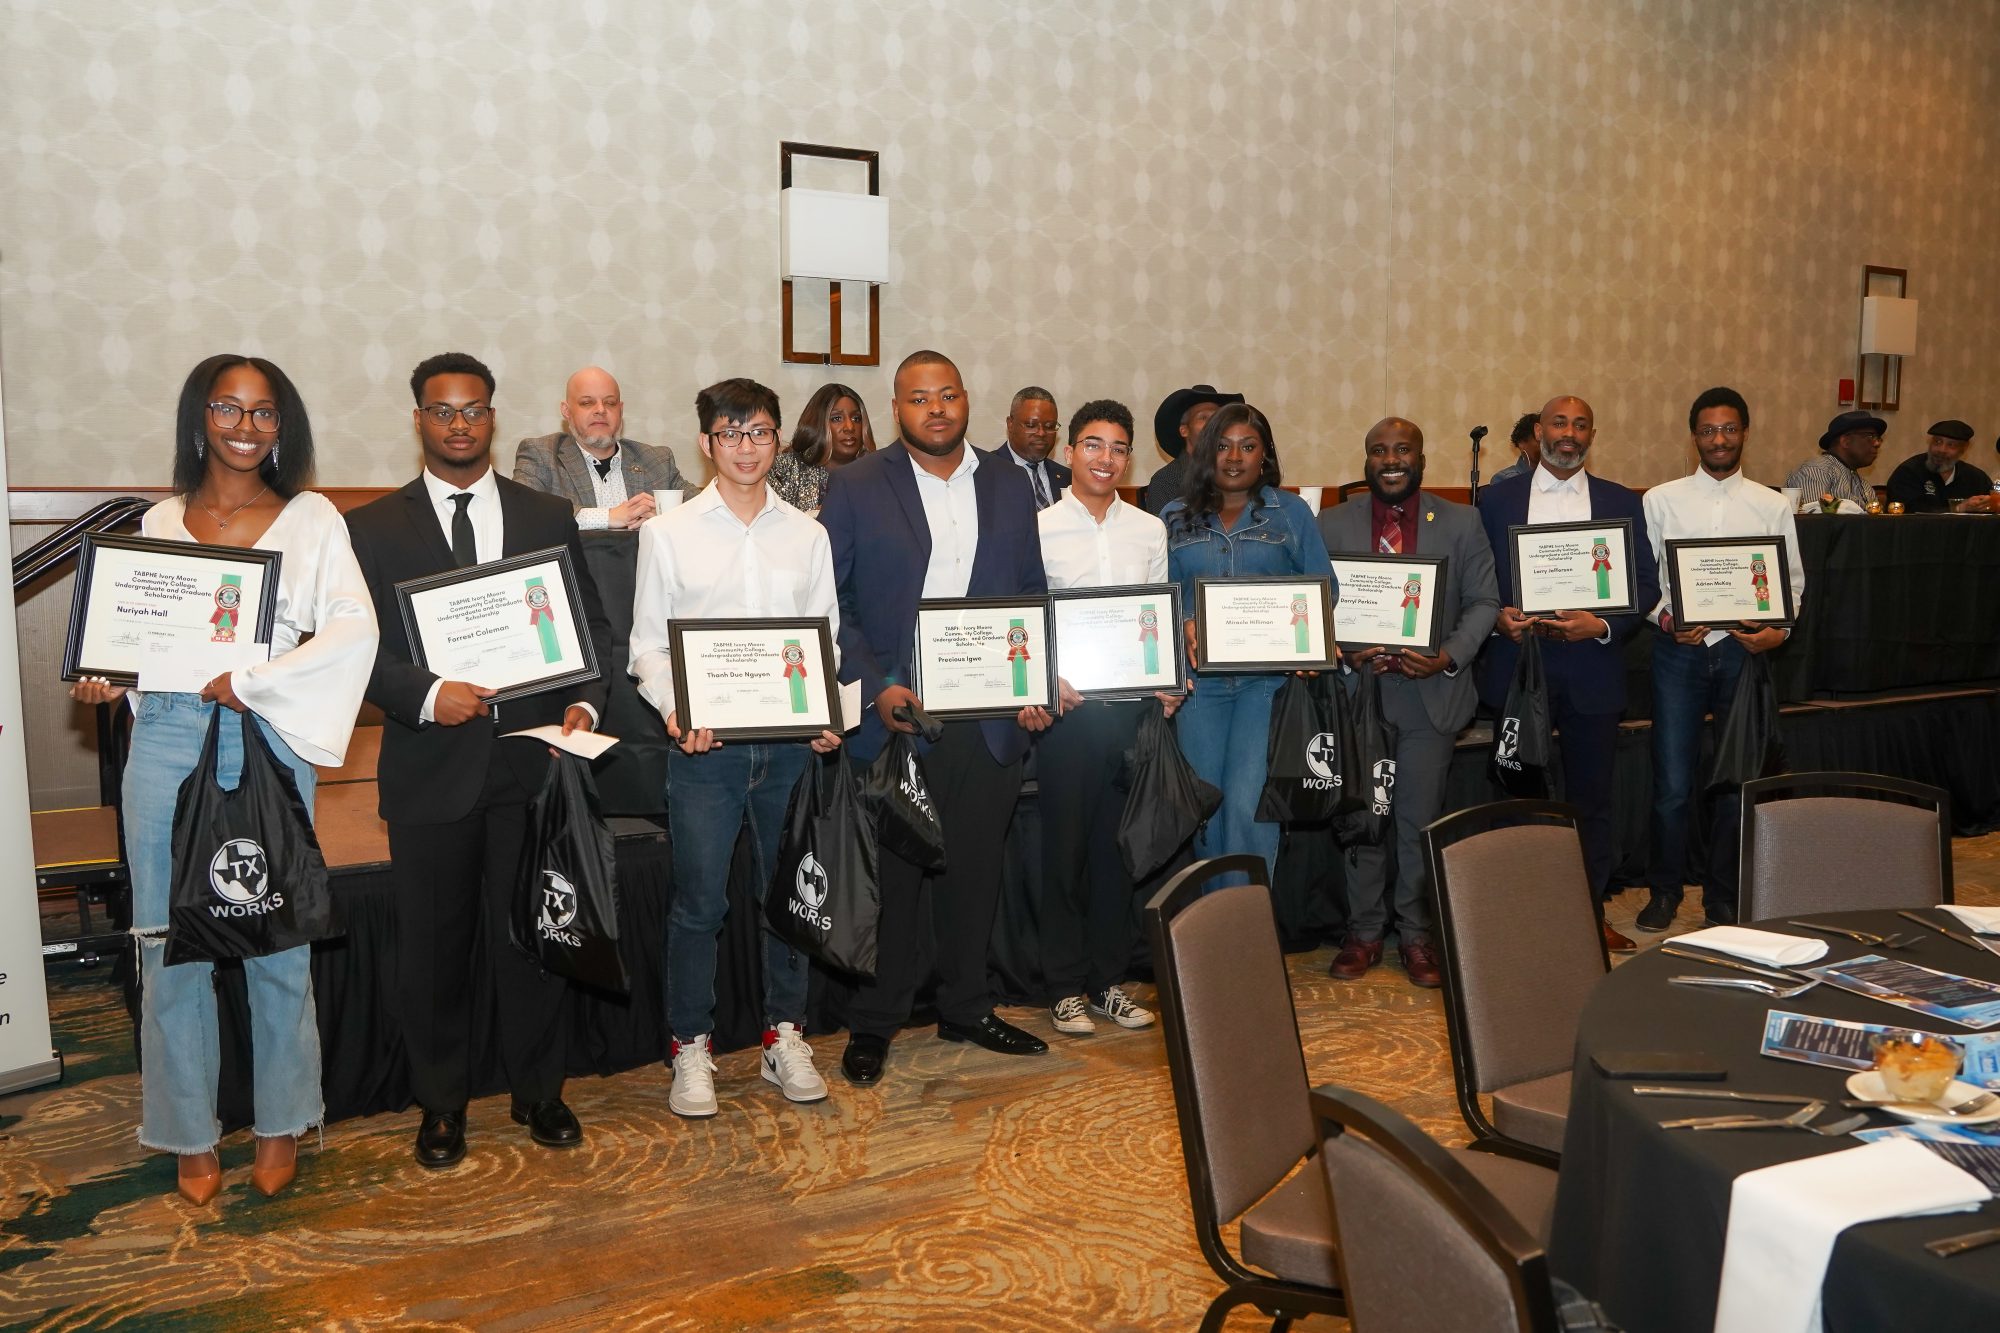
{"x":729,"y":438}
{"x":226,"y":415}
{"x":1092,"y":447}
{"x":1040,"y":427}
{"x":442,"y":414}
{"x":1726,"y":432}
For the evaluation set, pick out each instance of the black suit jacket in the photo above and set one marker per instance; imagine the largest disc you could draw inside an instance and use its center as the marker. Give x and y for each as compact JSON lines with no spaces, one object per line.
{"x":430,"y":774}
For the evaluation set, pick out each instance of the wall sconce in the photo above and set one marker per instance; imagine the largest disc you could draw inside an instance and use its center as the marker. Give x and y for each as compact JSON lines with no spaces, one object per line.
{"x":1888,"y":334}
{"x":837,"y":236}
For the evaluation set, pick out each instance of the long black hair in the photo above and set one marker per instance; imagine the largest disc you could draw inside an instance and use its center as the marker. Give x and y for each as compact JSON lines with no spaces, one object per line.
{"x":1202,"y":495}
{"x":809,"y":437}
{"x":292,"y":472}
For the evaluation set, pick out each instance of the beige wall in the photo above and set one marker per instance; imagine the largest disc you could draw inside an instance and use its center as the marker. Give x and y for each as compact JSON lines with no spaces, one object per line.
{"x":1445,"y":208}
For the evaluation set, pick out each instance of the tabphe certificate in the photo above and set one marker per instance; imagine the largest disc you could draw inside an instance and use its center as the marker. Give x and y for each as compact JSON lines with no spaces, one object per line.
{"x":1390,"y":601}
{"x":1263,"y":624}
{"x":1120,"y":642}
{"x":1727,"y":580}
{"x":984,"y":656}
{"x":515,"y":626}
{"x":138,"y":599}
{"x":1574,"y":567}
{"x":771,"y":679}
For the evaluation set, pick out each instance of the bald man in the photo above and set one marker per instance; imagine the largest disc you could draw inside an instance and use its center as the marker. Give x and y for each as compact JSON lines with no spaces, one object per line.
{"x":608,"y":480}
{"x":1583,"y":652}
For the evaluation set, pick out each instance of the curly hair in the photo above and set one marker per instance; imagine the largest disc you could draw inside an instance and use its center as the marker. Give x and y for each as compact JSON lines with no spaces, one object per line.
{"x":449,"y":363}
{"x":809,"y":439}
{"x":1100,"y":409}
{"x":289,"y":467}
{"x":1202,"y":495}
{"x":1720,"y":396}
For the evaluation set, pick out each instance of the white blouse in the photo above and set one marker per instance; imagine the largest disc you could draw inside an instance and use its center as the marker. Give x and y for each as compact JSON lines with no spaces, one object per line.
{"x":309,"y":691}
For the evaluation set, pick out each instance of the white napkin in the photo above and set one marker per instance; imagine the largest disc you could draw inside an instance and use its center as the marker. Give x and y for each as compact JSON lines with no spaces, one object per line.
{"x":1979,"y":918}
{"x":1757,"y":946}
{"x":1783,"y":1221}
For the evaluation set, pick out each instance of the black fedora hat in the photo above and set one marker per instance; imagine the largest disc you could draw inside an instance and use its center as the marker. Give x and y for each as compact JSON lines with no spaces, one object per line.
{"x":1167,"y":421}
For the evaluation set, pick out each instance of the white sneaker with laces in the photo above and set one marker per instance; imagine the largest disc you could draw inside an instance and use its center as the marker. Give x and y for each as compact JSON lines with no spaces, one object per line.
{"x":693,"y":1093}
{"x":788,"y":1062}
{"x":1117,"y":1006}
{"x":1073,"y":1016}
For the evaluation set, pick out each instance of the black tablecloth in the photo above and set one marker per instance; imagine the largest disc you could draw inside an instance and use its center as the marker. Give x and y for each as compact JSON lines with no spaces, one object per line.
{"x":1641,"y":1212}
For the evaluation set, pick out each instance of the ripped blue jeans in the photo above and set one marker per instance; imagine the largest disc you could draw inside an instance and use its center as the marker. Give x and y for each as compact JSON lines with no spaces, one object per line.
{"x":180,"y":1050}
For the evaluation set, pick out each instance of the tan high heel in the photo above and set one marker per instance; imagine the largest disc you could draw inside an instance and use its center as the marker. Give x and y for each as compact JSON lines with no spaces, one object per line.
{"x":200,"y":1177}
{"x":277,"y":1163}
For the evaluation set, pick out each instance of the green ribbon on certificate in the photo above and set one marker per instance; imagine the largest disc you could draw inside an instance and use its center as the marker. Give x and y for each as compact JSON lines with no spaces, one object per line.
{"x":1600,"y":561}
{"x":1759,"y":581}
{"x":795,"y":673}
{"x":1017,"y":653}
{"x":1301,"y":631}
{"x":543,"y":619}
{"x":1149,"y":636}
{"x":228,"y":604}
{"x":1413,"y":598}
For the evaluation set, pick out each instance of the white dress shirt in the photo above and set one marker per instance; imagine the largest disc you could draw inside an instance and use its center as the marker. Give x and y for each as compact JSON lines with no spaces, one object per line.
{"x":699,"y":561}
{"x":609,"y":488}
{"x":951,"y":510}
{"x":1698,"y":505}
{"x":1129,"y":546}
{"x":1553,"y":500}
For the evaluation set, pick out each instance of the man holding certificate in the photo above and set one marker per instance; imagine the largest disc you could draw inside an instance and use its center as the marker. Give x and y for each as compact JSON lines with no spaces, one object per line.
{"x":454,"y":794}
{"x":1582,"y":648}
{"x":1426,"y":696}
{"x":926,"y":518}
{"x":734,"y":551}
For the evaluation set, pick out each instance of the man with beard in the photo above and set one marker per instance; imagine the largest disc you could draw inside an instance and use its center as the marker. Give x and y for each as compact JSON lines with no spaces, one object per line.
{"x":1939,"y":479}
{"x":924,"y":518}
{"x":1428,"y":699}
{"x":1031,"y":433}
{"x":1696,"y":667}
{"x":1177,"y":425}
{"x":1583,"y":655}
{"x":607,"y":480}
{"x":1848,"y":448}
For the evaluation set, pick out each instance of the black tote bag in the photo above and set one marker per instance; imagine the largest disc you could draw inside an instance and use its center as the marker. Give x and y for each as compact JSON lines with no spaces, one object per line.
{"x":1308,"y":754}
{"x":898,"y":795}
{"x":825,"y":897}
{"x":248,"y":877}
{"x":1374,"y":770}
{"x":565,"y":909}
{"x":1749,"y":746}
{"x":1166,"y":801}
{"x":1521,"y":734}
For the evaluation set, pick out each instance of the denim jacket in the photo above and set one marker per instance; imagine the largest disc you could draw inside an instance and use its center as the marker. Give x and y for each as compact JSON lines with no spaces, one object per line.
{"x":1277,"y":536}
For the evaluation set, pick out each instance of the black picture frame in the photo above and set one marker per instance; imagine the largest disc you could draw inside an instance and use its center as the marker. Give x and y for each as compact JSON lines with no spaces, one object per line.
{"x":821,"y":630}
{"x":1169,"y":635}
{"x":920,"y":678}
{"x":1782,"y":582}
{"x":1630,"y":604}
{"x":408,"y":589}
{"x":94,"y":544}
{"x":1326,"y":604}
{"x":1440,"y":569}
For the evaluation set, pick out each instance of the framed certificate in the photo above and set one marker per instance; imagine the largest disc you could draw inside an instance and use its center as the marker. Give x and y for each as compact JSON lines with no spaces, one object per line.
{"x":1263,"y":624}
{"x":138,"y":599}
{"x":1574,"y":567}
{"x":755,"y":679}
{"x":515,"y":626}
{"x":1391,"y":601}
{"x":1719,"y":581}
{"x":984,"y":656}
{"x":1122,"y":642}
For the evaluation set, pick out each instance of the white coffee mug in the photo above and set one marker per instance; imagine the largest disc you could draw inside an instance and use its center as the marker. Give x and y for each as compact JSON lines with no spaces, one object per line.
{"x":1791,"y":494}
{"x":665,"y":500}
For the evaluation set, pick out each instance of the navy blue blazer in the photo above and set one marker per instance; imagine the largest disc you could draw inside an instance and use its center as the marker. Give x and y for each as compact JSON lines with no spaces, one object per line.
{"x":1592,"y":675}
{"x":881,"y":547}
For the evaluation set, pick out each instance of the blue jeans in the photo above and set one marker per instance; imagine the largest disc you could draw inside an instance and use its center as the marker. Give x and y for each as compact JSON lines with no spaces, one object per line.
{"x":181,"y":1055}
{"x":708,"y":798}
{"x":1690,"y":681}
{"x":1225,"y":731}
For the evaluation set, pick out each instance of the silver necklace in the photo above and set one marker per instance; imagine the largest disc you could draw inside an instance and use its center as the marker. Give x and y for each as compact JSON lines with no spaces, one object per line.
{"x":221,"y":523}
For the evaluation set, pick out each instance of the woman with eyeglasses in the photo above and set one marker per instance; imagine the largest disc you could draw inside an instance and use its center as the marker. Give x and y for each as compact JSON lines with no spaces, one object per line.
{"x":1233,"y":521}
{"x":832,"y":432}
{"x":243,"y":452}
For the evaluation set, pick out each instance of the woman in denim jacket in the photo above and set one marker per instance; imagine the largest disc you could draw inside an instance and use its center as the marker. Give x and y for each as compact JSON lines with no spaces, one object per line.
{"x":1234,"y":521}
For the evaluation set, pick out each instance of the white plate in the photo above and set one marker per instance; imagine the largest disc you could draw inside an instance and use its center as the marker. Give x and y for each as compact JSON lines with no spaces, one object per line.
{"x":1867,"y":1085}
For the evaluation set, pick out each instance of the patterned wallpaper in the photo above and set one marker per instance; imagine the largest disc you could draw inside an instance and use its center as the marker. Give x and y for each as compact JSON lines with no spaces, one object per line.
{"x":1449,"y":209}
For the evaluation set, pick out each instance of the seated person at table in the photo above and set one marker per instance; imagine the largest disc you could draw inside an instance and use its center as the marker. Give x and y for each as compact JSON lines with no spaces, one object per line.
{"x":1526,"y":454}
{"x":734,"y":550}
{"x":1851,"y":442}
{"x":1032,"y":426}
{"x":1939,"y":479}
{"x":832,"y":432}
{"x":608,"y":481}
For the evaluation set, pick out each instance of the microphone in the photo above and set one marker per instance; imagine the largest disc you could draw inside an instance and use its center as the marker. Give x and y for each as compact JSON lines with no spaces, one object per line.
{"x":1478,"y":433}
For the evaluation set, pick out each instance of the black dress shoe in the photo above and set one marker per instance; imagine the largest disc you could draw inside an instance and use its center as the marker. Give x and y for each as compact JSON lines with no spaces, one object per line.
{"x":441,"y":1139}
{"x":995,"y":1034}
{"x":861,"y":1062}
{"x":1718,"y":912}
{"x":1658,"y":913}
{"x":551,"y":1124}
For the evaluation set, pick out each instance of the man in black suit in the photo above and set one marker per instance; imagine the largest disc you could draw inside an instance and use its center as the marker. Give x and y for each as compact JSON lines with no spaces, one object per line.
{"x":1031,"y":433}
{"x":452,"y":792}
{"x":929,"y":517}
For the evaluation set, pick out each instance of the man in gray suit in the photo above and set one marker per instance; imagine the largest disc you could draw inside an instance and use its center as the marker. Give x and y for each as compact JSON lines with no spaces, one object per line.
{"x":609,"y":481}
{"x":1427,"y":699}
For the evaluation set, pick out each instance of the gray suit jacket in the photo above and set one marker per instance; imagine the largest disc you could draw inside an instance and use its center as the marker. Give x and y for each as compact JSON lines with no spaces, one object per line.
{"x":556,"y":464}
{"x":1471,"y":598}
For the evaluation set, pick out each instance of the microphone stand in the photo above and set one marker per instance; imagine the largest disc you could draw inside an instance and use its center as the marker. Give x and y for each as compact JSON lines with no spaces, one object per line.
{"x":1478,"y":434}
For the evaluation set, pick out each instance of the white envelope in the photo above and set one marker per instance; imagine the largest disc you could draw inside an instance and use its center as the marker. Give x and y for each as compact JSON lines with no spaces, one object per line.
{"x":589,"y":744}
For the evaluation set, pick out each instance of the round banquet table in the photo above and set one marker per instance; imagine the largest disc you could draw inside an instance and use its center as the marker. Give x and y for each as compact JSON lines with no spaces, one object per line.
{"x":1641,"y":1212}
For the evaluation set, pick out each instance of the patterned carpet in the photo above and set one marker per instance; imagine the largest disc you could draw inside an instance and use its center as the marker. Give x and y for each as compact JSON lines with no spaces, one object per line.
{"x":969,"y":1191}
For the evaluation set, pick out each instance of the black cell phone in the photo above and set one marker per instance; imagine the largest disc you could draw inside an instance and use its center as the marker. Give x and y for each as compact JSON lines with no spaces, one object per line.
{"x":1658,"y":1064}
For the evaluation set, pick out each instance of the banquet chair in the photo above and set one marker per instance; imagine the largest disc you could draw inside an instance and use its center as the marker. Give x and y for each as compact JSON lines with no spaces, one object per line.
{"x":1522,"y":950}
{"x":1348,"y":490}
{"x":1842,"y":842}
{"x":1397,"y":1195}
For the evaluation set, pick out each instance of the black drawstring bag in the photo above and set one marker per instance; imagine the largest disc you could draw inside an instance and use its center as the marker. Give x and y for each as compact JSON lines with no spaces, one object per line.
{"x":896,"y":792}
{"x":1166,"y":802}
{"x":825,"y":897}
{"x":1749,"y":746}
{"x":1521,"y":734}
{"x":248,"y":877}
{"x":1374,"y":770}
{"x":1307,"y":756}
{"x":565,"y":911}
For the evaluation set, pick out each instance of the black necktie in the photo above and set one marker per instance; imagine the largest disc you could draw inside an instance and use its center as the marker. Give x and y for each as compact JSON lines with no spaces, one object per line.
{"x":1041,"y":487}
{"x":603,"y":466}
{"x":463,"y":550}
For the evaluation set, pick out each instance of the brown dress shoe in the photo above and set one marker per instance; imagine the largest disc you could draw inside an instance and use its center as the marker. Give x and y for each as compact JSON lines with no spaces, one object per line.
{"x":200,"y":1177}
{"x":1356,"y":956}
{"x":1420,"y":960}
{"x":277,"y":1163}
{"x":1616,"y":942}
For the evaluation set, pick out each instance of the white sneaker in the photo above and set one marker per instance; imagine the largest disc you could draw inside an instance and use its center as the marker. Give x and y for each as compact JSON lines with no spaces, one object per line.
{"x":1073,"y":1016}
{"x":693,"y":1092}
{"x":788,"y":1062}
{"x":1117,"y":1006}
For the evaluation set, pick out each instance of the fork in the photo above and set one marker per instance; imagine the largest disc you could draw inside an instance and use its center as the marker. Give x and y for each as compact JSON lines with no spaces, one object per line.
{"x":1769,"y":988}
{"x":1977,"y":1104}
{"x":1895,"y":941}
{"x":1799,"y":1119}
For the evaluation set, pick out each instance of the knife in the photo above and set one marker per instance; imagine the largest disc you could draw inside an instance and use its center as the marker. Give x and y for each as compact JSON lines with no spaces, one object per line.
{"x":1966,"y":940}
{"x":1717,"y":1094}
{"x":1769,"y":974}
{"x":1971,"y":1240}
